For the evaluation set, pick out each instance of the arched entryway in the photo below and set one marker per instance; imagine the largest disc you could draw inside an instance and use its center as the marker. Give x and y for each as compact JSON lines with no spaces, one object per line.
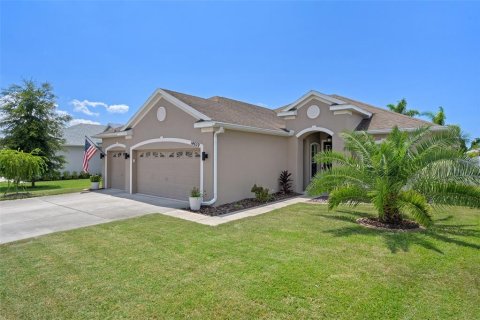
{"x":312,"y":141}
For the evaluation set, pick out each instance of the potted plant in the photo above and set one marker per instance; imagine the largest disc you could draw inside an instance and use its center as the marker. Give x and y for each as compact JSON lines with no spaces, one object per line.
{"x":195,"y":199}
{"x":95,"y":180}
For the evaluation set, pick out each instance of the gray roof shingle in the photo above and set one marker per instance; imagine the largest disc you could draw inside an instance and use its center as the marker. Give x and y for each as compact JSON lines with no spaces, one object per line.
{"x":75,"y":135}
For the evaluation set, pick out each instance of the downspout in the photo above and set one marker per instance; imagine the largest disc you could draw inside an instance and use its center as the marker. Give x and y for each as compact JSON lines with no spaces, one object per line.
{"x":215,"y":169}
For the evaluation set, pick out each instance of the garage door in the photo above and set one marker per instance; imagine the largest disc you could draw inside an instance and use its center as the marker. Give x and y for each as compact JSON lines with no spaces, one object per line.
{"x":116,"y":170}
{"x":168,"y":173}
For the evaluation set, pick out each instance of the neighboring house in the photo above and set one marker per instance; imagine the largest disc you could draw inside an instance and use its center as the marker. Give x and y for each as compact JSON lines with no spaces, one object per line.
{"x":74,"y":147}
{"x":177,"y":141}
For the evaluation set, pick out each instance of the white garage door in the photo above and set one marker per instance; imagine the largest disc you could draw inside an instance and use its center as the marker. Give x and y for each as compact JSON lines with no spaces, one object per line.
{"x":168,"y":173}
{"x":116,"y":170}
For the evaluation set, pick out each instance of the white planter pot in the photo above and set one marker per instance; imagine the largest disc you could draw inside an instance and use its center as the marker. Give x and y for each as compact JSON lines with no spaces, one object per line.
{"x":95,"y":185}
{"x":195,"y":203}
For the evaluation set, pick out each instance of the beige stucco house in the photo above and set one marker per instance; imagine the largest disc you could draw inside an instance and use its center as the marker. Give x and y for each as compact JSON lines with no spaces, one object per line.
{"x":177,"y":141}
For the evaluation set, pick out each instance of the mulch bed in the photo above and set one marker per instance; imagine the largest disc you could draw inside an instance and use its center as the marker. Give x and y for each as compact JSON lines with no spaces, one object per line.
{"x":405,"y":225}
{"x":241,"y":205}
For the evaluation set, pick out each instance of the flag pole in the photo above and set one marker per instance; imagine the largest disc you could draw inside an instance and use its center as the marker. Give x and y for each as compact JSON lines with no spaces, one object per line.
{"x":96,"y":147}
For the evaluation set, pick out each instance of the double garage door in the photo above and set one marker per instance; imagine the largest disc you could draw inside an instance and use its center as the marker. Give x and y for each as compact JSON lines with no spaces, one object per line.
{"x":167,"y":173}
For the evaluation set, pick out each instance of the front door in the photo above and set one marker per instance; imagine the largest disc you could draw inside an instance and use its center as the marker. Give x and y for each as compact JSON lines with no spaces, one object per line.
{"x":327,"y":146}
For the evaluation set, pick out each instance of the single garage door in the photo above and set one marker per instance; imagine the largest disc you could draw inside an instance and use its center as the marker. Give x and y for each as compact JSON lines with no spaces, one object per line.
{"x":116,"y":170}
{"x":168,"y":173}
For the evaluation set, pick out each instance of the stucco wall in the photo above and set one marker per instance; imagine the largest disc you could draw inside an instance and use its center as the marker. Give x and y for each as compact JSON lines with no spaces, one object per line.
{"x":177,"y":124}
{"x":248,"y":158}
{"x":297,"y":153}
{"x":74,"y":157}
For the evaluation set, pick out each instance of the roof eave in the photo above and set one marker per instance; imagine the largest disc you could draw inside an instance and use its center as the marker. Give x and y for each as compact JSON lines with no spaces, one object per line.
{"x":385,"y":131}
{"x":239,"y":127}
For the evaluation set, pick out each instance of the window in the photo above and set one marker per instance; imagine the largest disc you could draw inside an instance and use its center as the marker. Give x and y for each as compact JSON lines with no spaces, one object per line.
{"x":314,"y":148}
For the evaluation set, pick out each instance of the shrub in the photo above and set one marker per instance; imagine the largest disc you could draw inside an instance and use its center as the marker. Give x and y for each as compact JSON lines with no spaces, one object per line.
{"x":74,"y":175}
{"x":84,"y":175}
{"x":285,"y":181}
{"x":66,"y":175}
{"x":56,"y":175}
{"x":95,"y":178}
{"x":195,"y":193}
{"x":261,"y":194}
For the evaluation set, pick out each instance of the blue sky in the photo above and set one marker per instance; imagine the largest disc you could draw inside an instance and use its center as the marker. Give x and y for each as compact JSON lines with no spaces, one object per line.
{"x":269,"y":53}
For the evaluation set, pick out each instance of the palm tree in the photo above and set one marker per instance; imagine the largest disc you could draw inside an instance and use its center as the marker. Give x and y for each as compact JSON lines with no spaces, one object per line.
{"x":407,"y":174}
{"x":437,"y":118}
{"x":475,"y":144}
{"x":401,"y":107}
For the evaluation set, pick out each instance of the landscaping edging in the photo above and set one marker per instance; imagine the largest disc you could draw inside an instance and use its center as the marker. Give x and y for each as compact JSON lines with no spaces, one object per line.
{"x":241,"y":205}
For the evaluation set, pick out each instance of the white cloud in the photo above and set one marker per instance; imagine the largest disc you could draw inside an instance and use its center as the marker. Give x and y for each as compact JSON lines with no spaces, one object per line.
{"x":85,"y":105}
{"x":82,"y":106}
{"x":85,"y":121}
{"x":117,"y":108}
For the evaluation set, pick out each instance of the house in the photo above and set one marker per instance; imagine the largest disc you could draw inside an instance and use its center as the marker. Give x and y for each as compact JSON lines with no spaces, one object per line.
{"x":177,"y":141}
{"x":74,"y":147}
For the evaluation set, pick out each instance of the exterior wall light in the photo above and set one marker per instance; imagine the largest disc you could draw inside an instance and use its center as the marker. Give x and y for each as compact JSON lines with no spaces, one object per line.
{"x":204,"y":156}
{"x":126,"y":155}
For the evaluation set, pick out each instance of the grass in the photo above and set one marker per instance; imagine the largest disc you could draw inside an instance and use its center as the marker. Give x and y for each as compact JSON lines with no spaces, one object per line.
{"x":44,"y":188}
{"x":297,"y":262}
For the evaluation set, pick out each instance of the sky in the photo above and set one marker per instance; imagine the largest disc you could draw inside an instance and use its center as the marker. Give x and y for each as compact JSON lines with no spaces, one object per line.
{"x":104,"y":59}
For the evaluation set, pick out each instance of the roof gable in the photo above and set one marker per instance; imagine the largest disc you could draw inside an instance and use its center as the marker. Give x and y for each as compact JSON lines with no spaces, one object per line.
{"x":156,"y":97}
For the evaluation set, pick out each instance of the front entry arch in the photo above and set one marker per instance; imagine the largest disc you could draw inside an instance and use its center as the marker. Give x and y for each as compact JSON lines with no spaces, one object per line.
{"x":310,"y":142}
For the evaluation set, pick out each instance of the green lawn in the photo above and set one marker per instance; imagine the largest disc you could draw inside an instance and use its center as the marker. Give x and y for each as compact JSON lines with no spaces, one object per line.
{"x":44,"y":188}
{"x":299,"y":262}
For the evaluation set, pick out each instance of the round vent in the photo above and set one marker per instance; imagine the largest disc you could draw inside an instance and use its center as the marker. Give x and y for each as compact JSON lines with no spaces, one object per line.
{"x":313,"y":112}
{"x":161,"y":114}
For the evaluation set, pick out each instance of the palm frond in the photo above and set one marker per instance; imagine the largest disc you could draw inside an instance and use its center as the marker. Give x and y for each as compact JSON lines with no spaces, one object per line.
{"x":452,"y":194}
{"x":349,"y":195}
{"x":328,"y":180}
{"x":415,"y":205}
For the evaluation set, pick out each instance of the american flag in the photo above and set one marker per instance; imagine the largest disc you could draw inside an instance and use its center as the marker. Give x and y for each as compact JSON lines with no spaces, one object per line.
{"x":88,"y":154}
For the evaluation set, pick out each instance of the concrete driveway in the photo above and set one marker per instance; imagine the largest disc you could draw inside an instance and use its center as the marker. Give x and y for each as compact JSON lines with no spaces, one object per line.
{"x":26,"y":218}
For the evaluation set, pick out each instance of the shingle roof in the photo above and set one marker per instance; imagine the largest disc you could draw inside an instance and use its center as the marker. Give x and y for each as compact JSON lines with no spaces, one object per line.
{"x":75,"y":135}
{"x":232,"y":111}
{"x":383,"y":119}
{"x":221,"y":109}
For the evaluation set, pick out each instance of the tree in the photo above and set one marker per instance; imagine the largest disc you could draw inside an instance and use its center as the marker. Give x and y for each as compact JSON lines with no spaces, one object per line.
{"x":407,"y":174}
{"x":401,"y":107}
{"x":30,"y":122}
{"x":17,"y":166}
{"x":437,"y":118}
